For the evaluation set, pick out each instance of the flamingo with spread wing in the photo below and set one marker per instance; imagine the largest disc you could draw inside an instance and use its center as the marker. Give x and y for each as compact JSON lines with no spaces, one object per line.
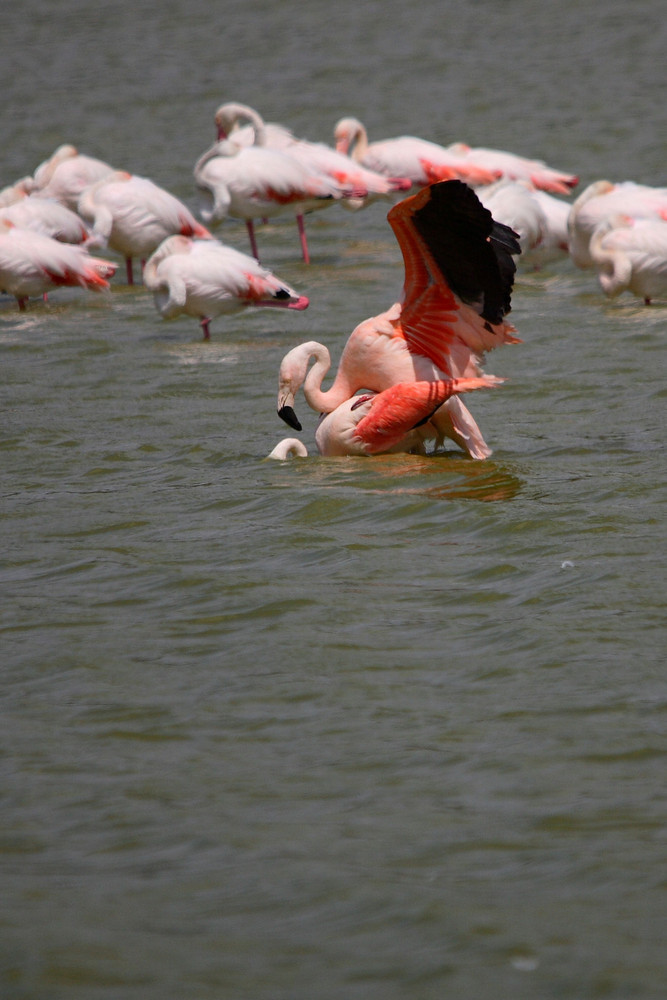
{"x":459,"y":272}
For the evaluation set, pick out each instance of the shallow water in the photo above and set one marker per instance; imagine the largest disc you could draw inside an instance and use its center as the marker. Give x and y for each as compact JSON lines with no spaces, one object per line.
{"x":331,"y":728}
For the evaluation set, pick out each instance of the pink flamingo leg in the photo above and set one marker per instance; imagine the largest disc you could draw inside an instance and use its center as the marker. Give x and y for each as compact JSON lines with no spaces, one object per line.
{"x":251,"y":235}
{"x":304,"y":242}
{"x":204,"y":321}
{"x":128,"y":270}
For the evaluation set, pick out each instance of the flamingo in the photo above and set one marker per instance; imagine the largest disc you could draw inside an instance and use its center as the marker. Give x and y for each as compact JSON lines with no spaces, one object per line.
{"x":603,"y":199}
{"x":34,"y":264}
{"x":316,"y":156}
{"x":65,"y":175}
{"x":514,"y":204}
{"x":556,"y":212}
{"x":289,"y":448}
{"x":132,"y":215}
{"x":204,"y":278}
{"x":424,"y":162}
{"x":631,"y":255}
{"x":459,"y":272}
{"x":514,"y":167}
{"x":45,"y":215}
{"x":251,"y":182}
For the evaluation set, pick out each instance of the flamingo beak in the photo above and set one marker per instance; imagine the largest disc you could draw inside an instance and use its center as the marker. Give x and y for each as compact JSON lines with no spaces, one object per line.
{"x":287,"y":414}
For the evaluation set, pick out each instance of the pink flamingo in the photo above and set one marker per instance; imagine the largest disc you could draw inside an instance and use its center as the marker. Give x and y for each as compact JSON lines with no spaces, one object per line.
{"x":631,"y":255}
{"x":257,"y":182}
{"x":514,"y":167}
{"x":603,"y":199}
{"x":204,"y":278}
{"x":44,"y":215}
{"x":422,"y":161}
{"x":33,"y":264}
{"x":459,"y":271}
{"x":66,"y":174}
{"x":514,"y":204}
{"x":316,"y":156}
{"x":132,"y":216}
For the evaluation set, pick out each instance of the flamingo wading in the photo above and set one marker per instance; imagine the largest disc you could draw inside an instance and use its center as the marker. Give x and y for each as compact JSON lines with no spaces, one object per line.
{"x":459,"y":272}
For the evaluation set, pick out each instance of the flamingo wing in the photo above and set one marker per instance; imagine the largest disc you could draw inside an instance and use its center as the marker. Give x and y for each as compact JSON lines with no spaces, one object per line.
{"x":459,"y":272}
{"x":392,"y":414}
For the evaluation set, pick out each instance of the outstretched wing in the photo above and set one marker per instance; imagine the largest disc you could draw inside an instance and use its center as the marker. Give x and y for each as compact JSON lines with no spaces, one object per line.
{"x":459,"y":273}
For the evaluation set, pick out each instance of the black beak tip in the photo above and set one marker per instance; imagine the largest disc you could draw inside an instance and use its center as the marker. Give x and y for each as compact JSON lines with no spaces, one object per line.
{"x":287,"y":414}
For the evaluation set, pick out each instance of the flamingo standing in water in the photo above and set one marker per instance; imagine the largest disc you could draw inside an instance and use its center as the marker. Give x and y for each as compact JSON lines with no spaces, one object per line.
{"x":422,"y":161}
{"x":459,"y":271}
{"x":257,"y":182}
{"x":317,"y":156}
{"x":132,"y":216}
{"x":603,"y":199}
{"x":33,"y":264}
{"x":631,"y":255}
{"x":204,"y":278}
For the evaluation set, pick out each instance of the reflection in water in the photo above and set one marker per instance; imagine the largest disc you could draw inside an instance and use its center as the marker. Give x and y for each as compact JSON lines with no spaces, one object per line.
{"x":449,"y":476}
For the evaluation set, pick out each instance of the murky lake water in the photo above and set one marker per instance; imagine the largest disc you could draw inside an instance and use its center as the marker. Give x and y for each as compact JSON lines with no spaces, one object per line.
{"x":389,"y":728}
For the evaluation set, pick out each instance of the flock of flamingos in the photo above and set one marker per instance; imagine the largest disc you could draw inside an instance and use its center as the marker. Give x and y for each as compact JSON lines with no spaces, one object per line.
{"x":461,"y":217}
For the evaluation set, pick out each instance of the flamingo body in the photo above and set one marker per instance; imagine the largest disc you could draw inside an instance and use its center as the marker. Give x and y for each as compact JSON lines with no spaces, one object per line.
{"x":46,"y":216}
{"x":514,"y":204}
{"x":603,"y":199}
{"x":66,"y":174}
{"x":422,"y":161}
{"x":205,"y":279}
{"x":132,"y":216}
{"x":33,"y":264}
{"x":631,"y":255}
{"x":512,"y":166}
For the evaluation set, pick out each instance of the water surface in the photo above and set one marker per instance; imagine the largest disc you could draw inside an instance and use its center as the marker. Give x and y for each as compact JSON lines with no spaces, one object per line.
{"x":331,"y":728}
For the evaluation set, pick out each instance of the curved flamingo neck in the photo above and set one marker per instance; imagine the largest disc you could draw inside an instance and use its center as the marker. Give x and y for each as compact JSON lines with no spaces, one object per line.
{"x":323,"y":401}
{"x":354,"y":140}
{"x":230,"y":116}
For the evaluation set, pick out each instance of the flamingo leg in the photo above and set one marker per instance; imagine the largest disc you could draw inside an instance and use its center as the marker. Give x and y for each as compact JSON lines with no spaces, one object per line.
{"x":302,"y":236}
{"x":128,"y":270}
{"x":251,"y":236}
{"x":204,"y":321}
{"x":22,"y":302}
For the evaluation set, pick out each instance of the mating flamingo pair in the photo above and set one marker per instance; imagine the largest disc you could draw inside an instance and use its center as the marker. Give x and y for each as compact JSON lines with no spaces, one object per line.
{"x":414,"y":360}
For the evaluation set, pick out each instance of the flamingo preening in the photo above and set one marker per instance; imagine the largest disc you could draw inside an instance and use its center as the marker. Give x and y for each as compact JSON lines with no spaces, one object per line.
{"x":205,"y":279}
{"x":33,"y":264}
{"x":132,"y":215}
{"x":631,"y":255}
{"x":422,"y":161}
{"x":256,"y":181}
